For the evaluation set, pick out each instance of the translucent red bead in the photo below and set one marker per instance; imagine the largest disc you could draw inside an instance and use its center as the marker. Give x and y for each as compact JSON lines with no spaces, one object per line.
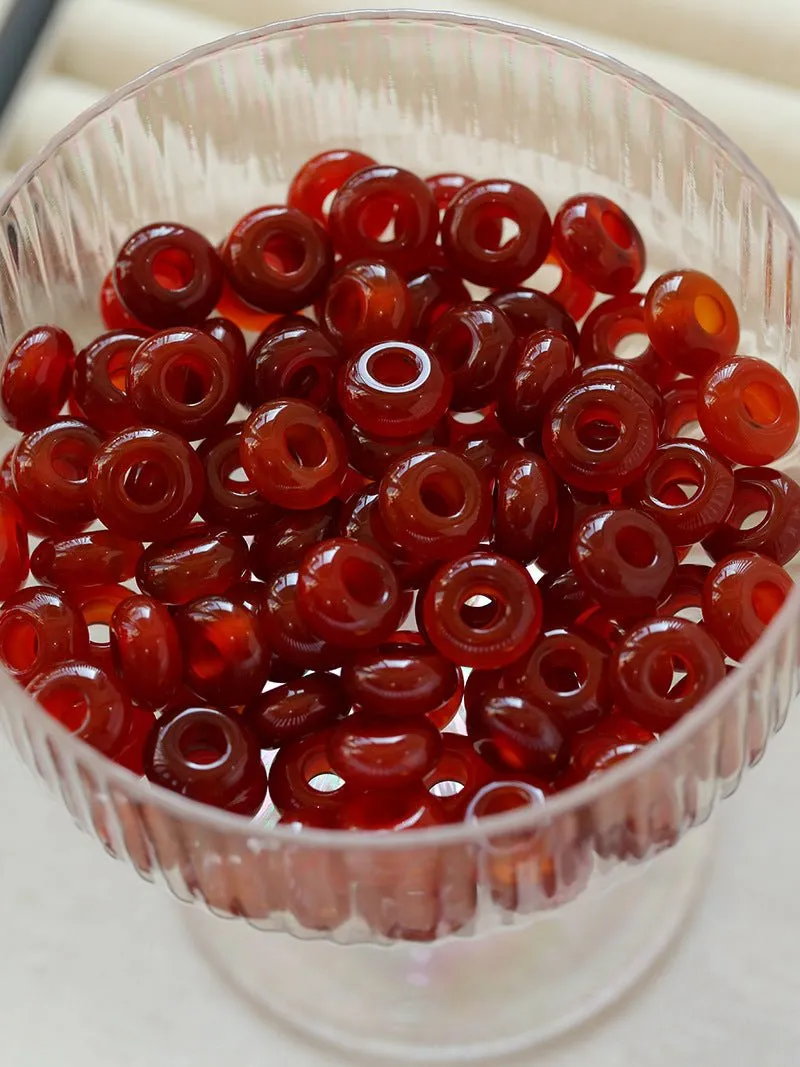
{"x":36,"y":378}
{"x":741,"y":596}
{"x":101,"y":371}
{"x":691,"y":321}
{"x":87,"y":701}
{"x":599,"y":243}
{"x":51,"y":468}
{"x":198,"y":564}
{"x":146,"y":650}
{"x":474,"y":343}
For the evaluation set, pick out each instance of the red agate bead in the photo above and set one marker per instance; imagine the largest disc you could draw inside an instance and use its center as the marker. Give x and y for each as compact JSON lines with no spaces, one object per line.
{"x":371,"y":752}
{"x":536,"y":374}
{"x":197,"y":564}
{"x":742,"y":594}
{"x":322,"y":175}
{"x":294,"y":770}
{"x":39,"y":628}
{"x":474,"y":342}
{"x":458,"y":763}
{"x":288,"y":634}
{"x":36,"y":378}
{"x":599,"y":242}
{"x":284,"y":541}
{"x":101,"y":370}
{"x":367,"y":301}
{"x":295,"y":359}
{"x":51,"y":471}
{"x":529,"y":311}
{"x":146,"y":650}
{"x":226,"y":659}
{"x":526,"y":501}
{"x":612,"y":740}
{"x":297,"y":709}
{"x":513,"y":731}
{"x":230,"y":498}
{"x":401,"y":680}
{"x":612,"y":328}
{"x":772,"y":496}
{"x":691,"y":321}
{"x":87,"y":701}
{"x":432,"y":293}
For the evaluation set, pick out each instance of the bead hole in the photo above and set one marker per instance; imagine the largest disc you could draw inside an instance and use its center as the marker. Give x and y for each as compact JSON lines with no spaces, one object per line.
{"x":635,"y":546}
{"x":597,"y":428}
{"x":482,"y":611}
{"x":448,"y":788}
{"x":709,"y":314}
{"x":203,"y":744}
{"x":100,"y":633}
{"x":616,"y":229}
{"x":364,"y":581}
{"x":187,"y":381}
{"x":670,"y":675}
{"x":206,"y":659}
{"x":442,"y":494}
{"x":306,"y":445}
{"x":67,"y":703}
{"x":762,"y":403}
{"x":173,"y":269}
{"x":564,"y":671}
{"x":395,"y":367}
{"x":117,"y":370}
{"x":70,"y":461}
{"x":346,"y":307}
{"x":20,"y":645}
{"x":284,"y":253}
{"x":233,"y":476}
{"x":767,"y":600}
{"x":676,"y":484}
{"x":303,"y":381}
{"x":630,"y":345}
{"x":326,"y":783}
{"x":146,"y":483}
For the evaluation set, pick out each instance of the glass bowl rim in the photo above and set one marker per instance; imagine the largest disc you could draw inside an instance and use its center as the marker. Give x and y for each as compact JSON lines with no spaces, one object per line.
{"x":578,"y":796}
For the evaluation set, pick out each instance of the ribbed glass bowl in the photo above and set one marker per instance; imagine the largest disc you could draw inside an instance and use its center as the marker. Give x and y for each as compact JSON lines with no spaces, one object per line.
{"x":504,"y":932}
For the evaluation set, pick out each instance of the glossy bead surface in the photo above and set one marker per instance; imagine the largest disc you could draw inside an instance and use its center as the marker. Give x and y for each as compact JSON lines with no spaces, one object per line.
{"x":293,"y":770}
{"x":529,"y":311}
{"x":230,"y":498}
{"x":643,"y":665}
{"x":600,"y":435}
{"x":486,"y":453}
{"x":623,"y":373}
{"x":198,"y":564}
{"x":519,"y":734}
{"x":742,"y":594}
{"x":691,"y":321}
{"x":748,"y":411}
{"x":146,"y":650}
{"x":616,"y":323}
{"x":366,"y":302}
{"x":572,"y":505}
{"x":167,"y":274}
{"x":687,"y":515}
{"x":130,"y":754}
{"x":226,"y":659}
{"x":296,"y":710}
{"x":571,"y":292}
{"x":294,"y":454}
{"x":372,"y":456}
{"x":348,"y":593}
{"x":612,"y":740}
{"x":146,"y":482}
{"x":474,"y":343}
{"x":36,"y":378}
{"x":394,"y":389}
{"x":185,"y":381}
{"x":39,"y":628}
{"x":284,"y":541}
{"x":679,"y":416}
{"x":371,"y":752}
{"x":526,"y":501}
{"x":113,"y":312}
{"x":432,"y":293}
{"x":226,"y":333}
{"x":294,"y":358}
{"x":459,"y":763}
{"x":322,"y":175}
{"x":467,"y":239}
{"x":51,"y":471}
{"x":416,"y":218}
{"x":685,"y":597}
{"x":101,"y":370}
{"x":599,"y":242}
{"x":776,"y":533}
{"x":95,"y":558}
{"x":624,"y":560}
{"x":433,"y":504}
{"x":536,"y":374}
{"x":85,"y":700}
{"x":288,"y":635}
{"x":278,"y":259}
{"x":14,"y":561}
{"x":399,"y":680}
{"x":493,"y":634}
{"x":207,"y":756}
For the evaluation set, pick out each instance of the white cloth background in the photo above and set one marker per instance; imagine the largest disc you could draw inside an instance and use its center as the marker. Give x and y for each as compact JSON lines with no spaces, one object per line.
{"x":95,"y":970}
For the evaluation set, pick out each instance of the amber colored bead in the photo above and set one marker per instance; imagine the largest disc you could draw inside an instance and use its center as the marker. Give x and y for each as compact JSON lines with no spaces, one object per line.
{"x":542,"y":367}
{"x":493,"y":634}
{"x":662,"y":493}
{"x":207,"y":756}
{"x":776,"y":533}
{"x":526,"y":501}
{"x":294,"y":358}
{"x":231,"y":306}
{"x":167,"y":274}
{"x":685,"y":597}
{"x":599,"y":242}
{"x":294,"y":454}
{"x":394,"y":389}
{"x":530,"y":311}
{"x":370,"y":752}
{"x":742,"y":594}
{"x":197,"y":564}
{"x":433,"y":504}
{"x":624,"y":560}
{"x":322,"y":175}
{"x":293,"y":771}
{"x":748,"y":411}
{"x":113,"y":312}
{"x":571,"y":292}
{"x":459,"y":763}
{"x":226,"y":659}
{"x":36,"y":378}
{"x":432,"y":293}
{"x":612,"y":323}
{"x":283,"y":541}
{"x":101,"y":370}
{"x":146,"y":483}
{"x":372,"y":456}
{"x":514,"y":731}
{"x":366,"y":302}
{"x":467,"y":237}
{"x":146,"y":650}
{"x":566,"y":674}
{"x":14,"y":562}
{"x":95,"y":558}
{"x":643,"y":665}
{"x":86,"y":701}
{"x":296,"y":710}
{"x":600,"y":435}
{"x":231,"y":500}
{"x":474,"y":343}
{"x":288,"y":635}
{"x":679,"y":418}
{"x":348,"y":593}
{"x":399,"y":680}
{"x":39,"y":628}
{"x":612,"y":740}
{"x":51,"y":471}
{"x":416,"y":218}
{"x":278,"y":259}
{"x":691,"y":321}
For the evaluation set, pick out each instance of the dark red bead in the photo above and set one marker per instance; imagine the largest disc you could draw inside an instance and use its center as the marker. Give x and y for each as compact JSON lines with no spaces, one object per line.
{"x":526,"y":501}
{"x":101,"y":370}
{"x":207,"y":756}
{"x":301,"y":708}
{"x":39,"y":628}
{"x":87,"y":702}
{"x":51,"y":471}
{"x":288,"y":635}
{"x":486,"y":453}
{"x":612,"y":328}
{"x":572,"y":506}
{"x":226,"y":333}
{"x":571,"y":292}
{"x":565,"y":600}
{"x":36,"y":378}
{"x":131,"y":753}
{"x":642,"y":670}
{"x":515,"y":732}
{"x":400,"y":680}
{"x":748,"y":411}
{"x":390,"y":811}
{"x":774,"y":498}
{"x":492,"y":634}
{"x":624,"y":560}
{"x":685,"y":597}
{"x":231,"y":500}
{"x":146,"y":650}
{"x":226,"y":659}
{"x":529,"y":311}
{"x":366,"y":302}
{"x":432,"y":293}
{"x":198,"y":564}
{"x":284,"y":541}
{"x":626,"y":375}
{"x":95,"y":558}
{"x":469,"y":241}
{"x":416,"y":218}
{"x":348,"y":593}
{"x":537,"y":373}
{"x":679,"y":418}
{"x":458,"y":763}
{"x":600,"y":435}
{"x":474,"y":343}
{"x":13,"y":546}
{"x":433,"y":504}
{"x":691,"y":321}
{"x":394,"y":389}
{"x":294,"y":454}
{"x":113,"y":312}
{"x":323,"y":174}
{"x":292,"y":359}
{"x":146,"y":483}
{"x":167,"y":274}
{"x":447,"y":185}
{"x":599,"y":242}
{"x":742,"y":594}
{"x":372,"y":456}
{"x":278,"y":259}
{"x":609,"y":742}
{"x":294,"y":769}
{"x":370,"y":752}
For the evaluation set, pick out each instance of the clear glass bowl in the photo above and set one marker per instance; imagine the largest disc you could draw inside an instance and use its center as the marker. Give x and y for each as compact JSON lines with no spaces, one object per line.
{"x":468,"y":940}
